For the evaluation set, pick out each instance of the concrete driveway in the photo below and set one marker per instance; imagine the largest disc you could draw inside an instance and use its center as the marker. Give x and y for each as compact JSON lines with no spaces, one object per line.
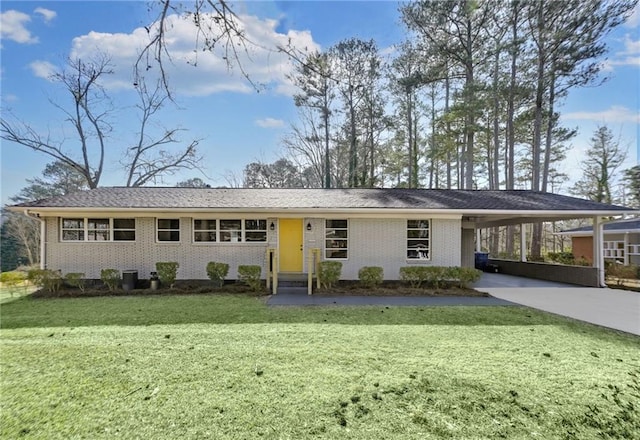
{"x":616,"y":309}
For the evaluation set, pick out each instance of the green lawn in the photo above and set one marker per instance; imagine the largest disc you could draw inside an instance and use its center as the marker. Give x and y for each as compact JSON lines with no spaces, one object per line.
{"x":225,"y":367}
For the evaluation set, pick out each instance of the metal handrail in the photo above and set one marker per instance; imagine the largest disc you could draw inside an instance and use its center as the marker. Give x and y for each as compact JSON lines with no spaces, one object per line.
{"x":272,"y":269}
{"x":313,"y":263}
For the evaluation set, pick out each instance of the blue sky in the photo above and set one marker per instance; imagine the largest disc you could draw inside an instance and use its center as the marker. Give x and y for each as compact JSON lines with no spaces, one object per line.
{"x":236,"y":125}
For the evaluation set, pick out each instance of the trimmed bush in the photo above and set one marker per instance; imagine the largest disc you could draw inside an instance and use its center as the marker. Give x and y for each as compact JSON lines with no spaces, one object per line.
{"x":110,"y":278}
{"x":47,"y":279}
{"x":250,"y":275}
{"x":463,"y":275}
{"x":438,"y":276}
{"x":75,"y":279}
{"x":217,"y":272}
{"x":371,"y":276}
{"x":167,"y":272}
{"x":417,"y":276}
{"x":561,"y":258}
{"x":329,"y":273}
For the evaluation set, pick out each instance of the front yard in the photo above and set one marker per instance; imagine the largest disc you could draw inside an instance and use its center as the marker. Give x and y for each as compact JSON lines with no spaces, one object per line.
{"x":229,"y":367}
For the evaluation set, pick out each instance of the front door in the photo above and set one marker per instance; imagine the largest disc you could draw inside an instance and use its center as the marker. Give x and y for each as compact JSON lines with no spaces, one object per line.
{"x":290,"y":237}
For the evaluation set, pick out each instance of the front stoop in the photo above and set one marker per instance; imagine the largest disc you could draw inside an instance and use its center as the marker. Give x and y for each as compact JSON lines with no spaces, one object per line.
{"x":292,"y":283}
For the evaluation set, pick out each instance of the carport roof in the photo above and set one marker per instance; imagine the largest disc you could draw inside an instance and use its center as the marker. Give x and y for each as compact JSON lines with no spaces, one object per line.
{"x":476,"y":205}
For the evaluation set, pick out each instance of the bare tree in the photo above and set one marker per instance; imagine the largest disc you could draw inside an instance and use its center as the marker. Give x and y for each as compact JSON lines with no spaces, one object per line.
{"x":149,"y":159}
{"x":88,"y":115}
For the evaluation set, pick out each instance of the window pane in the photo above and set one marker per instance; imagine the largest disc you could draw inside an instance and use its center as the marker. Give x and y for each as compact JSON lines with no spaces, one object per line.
{"x":98,"y":223}
{"x":256,"y":236}
{"x":340,"y":244}
{"x":168,"y":235}
{"x":204,"y":225}
{"x":124,"y":223}
{"x":73,"y":235}
{"x":230,"y":224}
{"x":340,"y":233}
{"x":418,"y":233}
{"x":231,"y":236}
{"x":205,"y":236}
{"x":337,"y":224}
{"x":418,"y":224}
{"x":168,"y":223}
{"x":98,"y":236}
{"x":124,"y":235}
{"x":332,"y":253}
{"x":255,"y":225}
{"x":73,"y":223}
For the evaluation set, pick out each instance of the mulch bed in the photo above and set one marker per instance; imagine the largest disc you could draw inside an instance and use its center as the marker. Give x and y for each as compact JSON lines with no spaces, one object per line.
{"x":198,"y":287}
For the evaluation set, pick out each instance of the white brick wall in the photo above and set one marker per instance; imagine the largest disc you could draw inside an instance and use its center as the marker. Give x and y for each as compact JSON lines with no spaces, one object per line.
{"x":372,"y":242}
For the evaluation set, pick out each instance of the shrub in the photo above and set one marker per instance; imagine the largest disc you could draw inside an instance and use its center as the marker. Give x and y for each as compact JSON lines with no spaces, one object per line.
{"x":47,"y":279}
{"x":251,"y":276}
{"x":75,"y":279}
{"x":619,"y":271}
{"x":561,"y":257}
{"x":167,"y":272}
{"x":13,"y":278}
{"x":437,"y":276}
{"x":217,"y":272}
{"x":463,"y":275}
{"x":417,"y":276}
{"x":110,"y":278}
{"x":329,"y":273}
{"x":371,"y":276}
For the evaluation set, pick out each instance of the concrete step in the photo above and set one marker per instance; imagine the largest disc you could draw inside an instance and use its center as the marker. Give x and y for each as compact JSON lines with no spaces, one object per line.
{"x":288,"y":290}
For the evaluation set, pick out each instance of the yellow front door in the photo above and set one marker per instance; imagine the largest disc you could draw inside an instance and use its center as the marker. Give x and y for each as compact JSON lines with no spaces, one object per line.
{"x":290,"y":232}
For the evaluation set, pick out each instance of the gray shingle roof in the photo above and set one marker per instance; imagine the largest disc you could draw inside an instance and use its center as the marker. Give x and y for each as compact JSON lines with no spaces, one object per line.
{"x":622,"y":225}
{"x":225,"y":198}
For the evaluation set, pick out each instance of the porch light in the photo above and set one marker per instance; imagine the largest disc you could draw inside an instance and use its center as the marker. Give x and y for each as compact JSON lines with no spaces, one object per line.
{"x":272,"y":226}
{"x":308,"y":226}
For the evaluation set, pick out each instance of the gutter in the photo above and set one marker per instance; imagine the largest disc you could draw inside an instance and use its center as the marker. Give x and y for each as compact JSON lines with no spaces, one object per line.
{"x":43,"y":237}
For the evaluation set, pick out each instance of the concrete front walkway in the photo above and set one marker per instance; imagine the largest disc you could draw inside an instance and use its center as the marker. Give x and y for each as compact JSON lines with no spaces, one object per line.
{"x":428,"y":301}
{"x":616,"y":309}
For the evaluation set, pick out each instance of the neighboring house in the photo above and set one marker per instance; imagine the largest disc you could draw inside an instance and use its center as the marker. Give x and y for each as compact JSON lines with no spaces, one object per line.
{"x":133,"y":228}
{"x":621,"y":241}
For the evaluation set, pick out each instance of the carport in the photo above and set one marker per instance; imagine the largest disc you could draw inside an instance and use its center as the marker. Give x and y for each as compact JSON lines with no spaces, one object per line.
{"x":542,"y":207}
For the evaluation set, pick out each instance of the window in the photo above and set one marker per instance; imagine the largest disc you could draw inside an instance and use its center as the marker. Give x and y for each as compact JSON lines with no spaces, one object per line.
{"x":336,"y":239}
{"x":255,"y":230}
{"x":124,"y":229}
{"x":98,"y":229}
{"x":418,"y":239}
{"x":72,"y":229}
{"x":204,"y":231}
{"x":168,"y":229}
{"x":229,"y":231}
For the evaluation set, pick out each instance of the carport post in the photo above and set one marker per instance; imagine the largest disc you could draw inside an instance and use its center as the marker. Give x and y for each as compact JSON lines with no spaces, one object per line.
{"x":598,"y":245}
{"x":523,"y":242}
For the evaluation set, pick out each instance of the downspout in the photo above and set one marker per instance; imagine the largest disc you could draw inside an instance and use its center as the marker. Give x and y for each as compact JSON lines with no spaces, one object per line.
{"x":43,"y":237}
{"x":598,"y":242}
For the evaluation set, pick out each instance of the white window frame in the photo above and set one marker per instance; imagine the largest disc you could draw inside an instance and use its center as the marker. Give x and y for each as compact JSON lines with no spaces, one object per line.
{"x":209,"y":231}
{"x":408,"y":239}
{"x":241,"y":233}
{"x":86,"y":232}
{"x":327,"y":239}
{"x":158,"y":230}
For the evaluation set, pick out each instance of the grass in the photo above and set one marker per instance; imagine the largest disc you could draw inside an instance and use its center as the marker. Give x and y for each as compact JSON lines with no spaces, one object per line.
{"x":11,"y":293}
{"x":228,"y":367}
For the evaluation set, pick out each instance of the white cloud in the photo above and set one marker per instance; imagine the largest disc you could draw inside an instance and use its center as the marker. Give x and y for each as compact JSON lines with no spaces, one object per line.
{"x":614,"y":114}
{"x":270,"y":123}
{"x":47,"y":14}
{"x":200,"y":73}
{"x":42,"y":69}
{"x":13,"y":27}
